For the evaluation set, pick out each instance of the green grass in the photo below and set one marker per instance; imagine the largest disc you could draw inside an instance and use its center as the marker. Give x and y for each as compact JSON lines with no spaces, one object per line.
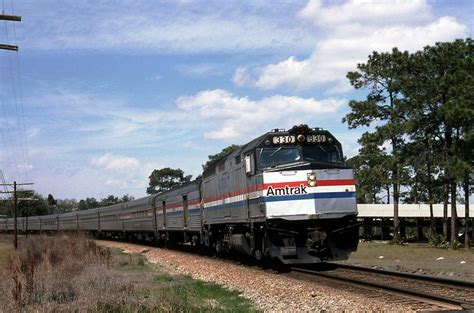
{"x":185,"y":293}
{"x":163,"y":278}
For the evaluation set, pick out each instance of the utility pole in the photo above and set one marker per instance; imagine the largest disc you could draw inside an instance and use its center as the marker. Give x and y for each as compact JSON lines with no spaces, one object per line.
{"x":4,"y":17}
{"x":15,"y":207}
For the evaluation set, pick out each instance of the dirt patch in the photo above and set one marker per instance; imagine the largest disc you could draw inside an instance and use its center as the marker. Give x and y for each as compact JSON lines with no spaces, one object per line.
{"x":415,"y":258}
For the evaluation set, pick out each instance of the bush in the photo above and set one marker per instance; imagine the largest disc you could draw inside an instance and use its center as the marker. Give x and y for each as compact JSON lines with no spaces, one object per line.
{"x":455,"y":244}
{"x":438,"y":240}
{"x":398,"y":241}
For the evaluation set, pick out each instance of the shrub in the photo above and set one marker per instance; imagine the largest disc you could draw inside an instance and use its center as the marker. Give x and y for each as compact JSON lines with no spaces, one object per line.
{"x":455,"y":244}
{"x":398,"y":241}
{"x":438,"y":240}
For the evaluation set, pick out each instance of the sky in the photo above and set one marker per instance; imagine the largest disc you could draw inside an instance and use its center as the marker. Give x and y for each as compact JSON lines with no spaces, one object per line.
{"x":103,"y":92}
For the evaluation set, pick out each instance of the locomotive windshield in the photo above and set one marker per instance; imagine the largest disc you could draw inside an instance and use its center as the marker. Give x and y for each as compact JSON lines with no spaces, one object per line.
{"x":323,"y":154}
{"x":281,"y":155}
{"x":268,"y":157}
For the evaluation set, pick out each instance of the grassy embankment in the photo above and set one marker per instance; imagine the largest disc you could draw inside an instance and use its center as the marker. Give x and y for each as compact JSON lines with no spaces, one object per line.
{"x":72,"y":273}
{"x":416,"y":258}
{"x":6,"y":249}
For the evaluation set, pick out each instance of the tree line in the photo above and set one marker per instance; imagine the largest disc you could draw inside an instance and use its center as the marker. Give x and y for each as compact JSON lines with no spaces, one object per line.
{"x":419,"y":148}
{"x":49,"y":205}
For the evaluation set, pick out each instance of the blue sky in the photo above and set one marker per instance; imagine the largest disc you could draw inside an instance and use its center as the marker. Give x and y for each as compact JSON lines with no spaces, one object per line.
{"x":109,"y":90}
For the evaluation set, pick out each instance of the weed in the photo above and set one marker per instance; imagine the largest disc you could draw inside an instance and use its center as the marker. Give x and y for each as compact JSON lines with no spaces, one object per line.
{"x":131,"y":263}
{"x":163,"y":278}
{"x":398,"y":241}
{"x":438,"y":240}
{"x":455,"y":244}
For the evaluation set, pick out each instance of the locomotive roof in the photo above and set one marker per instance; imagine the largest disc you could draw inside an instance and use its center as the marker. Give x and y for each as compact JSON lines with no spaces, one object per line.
{"x":259,"y":142}
{"x":243,"y":148}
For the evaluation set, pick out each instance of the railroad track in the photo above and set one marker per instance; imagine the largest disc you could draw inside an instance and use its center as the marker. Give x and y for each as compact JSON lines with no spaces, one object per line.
{"x":435,"y":292}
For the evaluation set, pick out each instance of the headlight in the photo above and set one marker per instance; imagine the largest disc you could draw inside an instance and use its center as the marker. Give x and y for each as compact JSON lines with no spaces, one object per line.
{"x":311,"y":180}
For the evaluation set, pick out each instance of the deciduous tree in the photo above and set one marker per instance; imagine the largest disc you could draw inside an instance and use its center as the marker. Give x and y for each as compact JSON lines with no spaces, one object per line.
{"x":88,"y":203}
{"x":166,"y":178}
{"x":215,"y":157}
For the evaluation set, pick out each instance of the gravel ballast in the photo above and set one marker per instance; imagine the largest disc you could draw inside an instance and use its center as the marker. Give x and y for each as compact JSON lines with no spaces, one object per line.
{"x":269,"y":291}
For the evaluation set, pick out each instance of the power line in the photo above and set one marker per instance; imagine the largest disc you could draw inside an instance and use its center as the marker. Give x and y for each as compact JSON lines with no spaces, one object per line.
{"x":21,"y":132}
{"x":12,"y":154}
{"x":20,"y":90}
{"x":22,"y":108}
{"x":20,"y":121}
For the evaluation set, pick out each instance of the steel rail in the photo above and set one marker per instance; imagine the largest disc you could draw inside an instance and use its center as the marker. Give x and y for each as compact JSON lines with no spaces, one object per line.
{"x":434,"y":279}
{"x":403,"y":291}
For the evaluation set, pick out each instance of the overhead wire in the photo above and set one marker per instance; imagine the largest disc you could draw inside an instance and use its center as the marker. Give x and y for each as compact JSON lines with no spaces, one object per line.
{"x":19,"y":168}
{"x":8,"y":153}
{"x":20,"y":89}
{"x":15,"y":101}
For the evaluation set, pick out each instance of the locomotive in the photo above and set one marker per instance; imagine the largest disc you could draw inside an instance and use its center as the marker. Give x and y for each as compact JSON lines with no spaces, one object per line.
{"x":285,"y":195}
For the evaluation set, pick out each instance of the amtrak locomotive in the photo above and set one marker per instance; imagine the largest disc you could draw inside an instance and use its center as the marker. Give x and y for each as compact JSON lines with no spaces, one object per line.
{"x":284,"y":195}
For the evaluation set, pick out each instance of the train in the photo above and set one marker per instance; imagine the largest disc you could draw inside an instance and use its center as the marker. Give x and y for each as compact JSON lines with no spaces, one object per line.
{"x":286,"y":195}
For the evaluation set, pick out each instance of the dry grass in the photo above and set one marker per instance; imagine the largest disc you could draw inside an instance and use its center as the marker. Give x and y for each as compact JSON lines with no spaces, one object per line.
{"x":66,"y":273}
{"x":47,"y":270}
{"x":5,"y":250}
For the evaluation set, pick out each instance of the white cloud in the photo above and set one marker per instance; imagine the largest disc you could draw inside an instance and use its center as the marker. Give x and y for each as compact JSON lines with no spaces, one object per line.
{"x":24,"y":167}
{"x":380,"y":12}
{"x":196,"y":146}
{"x":230,"y":114}
{"x":111,"y":162}
{"x":165,"y":27}
{"x":32,"y":132}
{"x":241,"y":76}
{"x":200,"y":70}
{"x":108,"y":124}
{"x":117,"y":183}
{"x":274,"y":75}
{"x":353,"y":30}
